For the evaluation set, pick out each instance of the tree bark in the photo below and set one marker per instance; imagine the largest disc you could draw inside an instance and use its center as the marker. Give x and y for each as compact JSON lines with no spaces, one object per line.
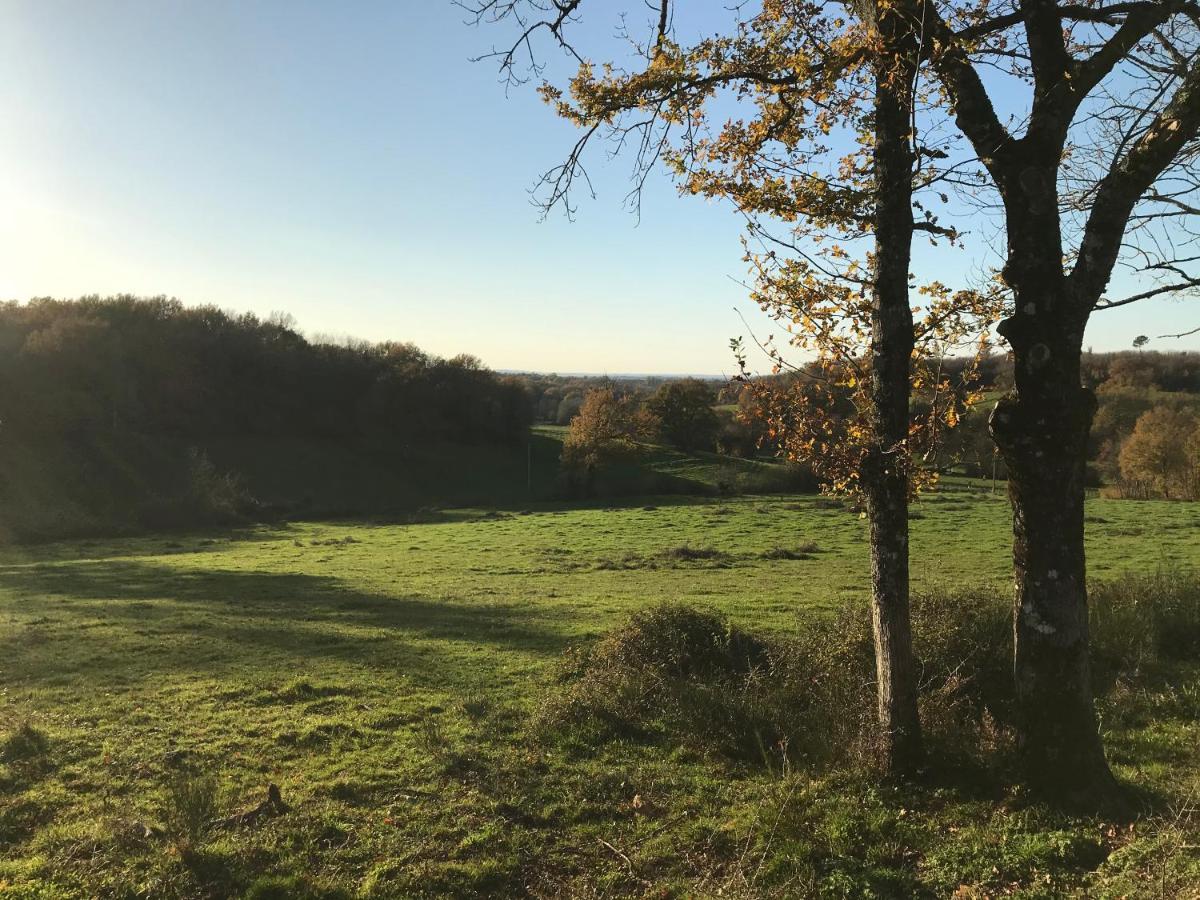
{"x":899,"y":726}
{"x":886,"y":481}
{"x":1042,"y":430}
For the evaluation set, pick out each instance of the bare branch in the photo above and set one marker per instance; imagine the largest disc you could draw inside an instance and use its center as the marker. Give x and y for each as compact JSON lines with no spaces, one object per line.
{"x":973,"y":109}
{"x":1182,"y":334}
{"x":1128,"y":179}
{"x":1145,"y":295}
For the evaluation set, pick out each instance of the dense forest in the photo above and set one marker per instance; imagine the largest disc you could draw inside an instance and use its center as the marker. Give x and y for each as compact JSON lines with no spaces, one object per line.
{"x":74,"y":368}
{"x":121,"y":414}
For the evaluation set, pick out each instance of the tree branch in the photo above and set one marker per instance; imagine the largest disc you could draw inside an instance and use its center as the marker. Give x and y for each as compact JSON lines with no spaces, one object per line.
{"x":973,"y":109}
{"x":1127,"y":180}
{"x":1139,"y":23}
{"x":1182,"y":334}
{"x":1145,"y":295}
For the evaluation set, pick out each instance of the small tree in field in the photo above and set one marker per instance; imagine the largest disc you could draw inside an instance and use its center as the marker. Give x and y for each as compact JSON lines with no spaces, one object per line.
{"x":1162,"y":456}
{"x":685,"y":414}
{"x":606,"y":429}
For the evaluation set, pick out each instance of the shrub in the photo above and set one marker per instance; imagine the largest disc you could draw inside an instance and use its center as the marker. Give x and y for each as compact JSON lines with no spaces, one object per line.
{"x":963,"y":645}
{"x":670,"y":669}
{"x":803,"y":550}
{"x":1139,"y":620}
{"x":828,"y":503}
{"x":207,"y":496}
{"x":686,"y":553}
{"x":189,"y":807}
{"x":778,"y":478}
{"x":216,"y":496}
{"x":674,"y":672}
{"x":677,"y":674}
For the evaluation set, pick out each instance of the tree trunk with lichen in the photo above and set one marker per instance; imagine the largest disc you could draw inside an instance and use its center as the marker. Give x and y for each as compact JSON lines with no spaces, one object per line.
{"x":1043,"y":441}
{"x":885,"y":476}
{"x":896,"y":686}
{"x":1041,"y":429}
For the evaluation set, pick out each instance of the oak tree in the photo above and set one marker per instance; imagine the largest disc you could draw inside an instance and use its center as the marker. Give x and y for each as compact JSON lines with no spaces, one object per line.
{"x":801,"y":114}
{"x":684,"y":410}
{"x":605,"y":429}
{"x":1097,"y":170}
{"x":1162,"y":455}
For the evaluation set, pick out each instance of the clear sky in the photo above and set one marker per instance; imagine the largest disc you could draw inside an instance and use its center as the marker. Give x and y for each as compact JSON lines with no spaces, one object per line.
{"x":348,"y":164}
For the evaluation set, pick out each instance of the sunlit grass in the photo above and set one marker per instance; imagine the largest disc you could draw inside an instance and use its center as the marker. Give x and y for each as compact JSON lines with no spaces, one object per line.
{"x":383,"y":676}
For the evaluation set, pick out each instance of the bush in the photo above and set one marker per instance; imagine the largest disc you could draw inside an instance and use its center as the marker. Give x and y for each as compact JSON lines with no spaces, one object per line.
{"x":963,"y":645}
{"x":677,"y":673}
{"x":778,"y":478}
{"x":207,"y":497}
{"x":681,"y":675}
{"x":219,"y":496}
{"x":1140,"y":620}
{"x":189,"y":807}
{"x":670,"y":669}
{"x":687,"y":553}
{"x":803,"y":550}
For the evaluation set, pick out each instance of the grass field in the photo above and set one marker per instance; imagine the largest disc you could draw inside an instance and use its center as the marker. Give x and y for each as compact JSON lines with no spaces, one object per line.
{"x":383,"y":675}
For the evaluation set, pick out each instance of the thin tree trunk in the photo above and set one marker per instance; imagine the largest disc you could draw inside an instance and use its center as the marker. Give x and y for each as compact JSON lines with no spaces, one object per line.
{"x":886,"y":472}
{"x":900,"y":729}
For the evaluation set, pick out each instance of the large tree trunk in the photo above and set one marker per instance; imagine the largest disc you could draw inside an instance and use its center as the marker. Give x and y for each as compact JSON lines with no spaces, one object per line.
{"x":886,"y":472}
{"x":1042,"y":431}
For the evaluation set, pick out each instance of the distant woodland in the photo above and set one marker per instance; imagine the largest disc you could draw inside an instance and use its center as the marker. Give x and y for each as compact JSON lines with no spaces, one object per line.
{"x":73,"y":368}
{"x":124,"y":413}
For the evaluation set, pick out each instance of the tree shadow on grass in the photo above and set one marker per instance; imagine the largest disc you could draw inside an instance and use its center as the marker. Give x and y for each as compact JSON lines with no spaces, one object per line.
{"x":140,"y":618}
{"x":217,"y":539}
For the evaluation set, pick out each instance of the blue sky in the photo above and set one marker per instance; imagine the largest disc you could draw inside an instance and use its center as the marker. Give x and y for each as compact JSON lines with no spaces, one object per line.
{"x":347,"y":164}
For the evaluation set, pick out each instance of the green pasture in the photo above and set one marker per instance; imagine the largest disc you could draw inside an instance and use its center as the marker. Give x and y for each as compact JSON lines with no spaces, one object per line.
{"x":382,"y":675}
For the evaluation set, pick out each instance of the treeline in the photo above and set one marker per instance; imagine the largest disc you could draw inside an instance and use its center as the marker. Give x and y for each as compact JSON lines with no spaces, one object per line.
{"x":121,"y":414}
{"x":154,"y":366}
{"x":557,"y":399}
{"x":1145,"y":436}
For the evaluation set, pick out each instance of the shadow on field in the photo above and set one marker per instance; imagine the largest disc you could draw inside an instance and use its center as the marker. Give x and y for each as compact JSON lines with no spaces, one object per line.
{"x":139,"y":618}
{"x":215,"y":540}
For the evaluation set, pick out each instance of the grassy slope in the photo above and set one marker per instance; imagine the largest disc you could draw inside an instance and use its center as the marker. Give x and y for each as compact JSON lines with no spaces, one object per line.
{"x":382,"y":675}
{"x":107,"y":485}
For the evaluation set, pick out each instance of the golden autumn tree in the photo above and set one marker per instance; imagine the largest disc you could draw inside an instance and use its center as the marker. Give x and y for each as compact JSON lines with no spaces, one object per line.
{"x":801,"y":115}
{"x":1162,"y":456}
{"x":606,"y":428}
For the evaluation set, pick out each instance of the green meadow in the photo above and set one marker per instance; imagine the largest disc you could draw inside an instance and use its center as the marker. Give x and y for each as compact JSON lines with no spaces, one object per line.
{"x":385,"y":676}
